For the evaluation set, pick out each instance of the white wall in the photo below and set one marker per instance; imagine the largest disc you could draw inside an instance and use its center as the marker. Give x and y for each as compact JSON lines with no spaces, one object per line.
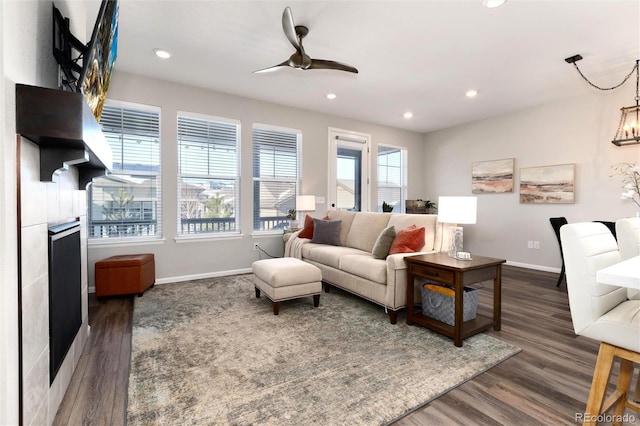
{"x":577,"y":130}
{"x":178,"y":261}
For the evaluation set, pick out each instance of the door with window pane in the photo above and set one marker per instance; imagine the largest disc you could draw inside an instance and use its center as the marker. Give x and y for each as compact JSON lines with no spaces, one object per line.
{"x":348,"y":171}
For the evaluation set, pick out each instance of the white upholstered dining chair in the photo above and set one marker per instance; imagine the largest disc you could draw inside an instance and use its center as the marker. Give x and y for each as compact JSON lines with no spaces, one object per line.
{"x":628,"y":232}
{"x":601,"y":312}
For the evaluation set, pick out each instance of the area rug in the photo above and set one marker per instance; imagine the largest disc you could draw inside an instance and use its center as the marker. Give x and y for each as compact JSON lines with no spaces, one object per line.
{"x":210,"y":352}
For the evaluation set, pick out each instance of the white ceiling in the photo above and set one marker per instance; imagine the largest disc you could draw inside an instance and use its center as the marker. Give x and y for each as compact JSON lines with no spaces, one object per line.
{"x":419,"y":56}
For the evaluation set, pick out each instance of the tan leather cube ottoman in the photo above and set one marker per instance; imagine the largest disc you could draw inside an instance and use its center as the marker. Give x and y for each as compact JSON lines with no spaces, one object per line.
{"x":125,"y":274}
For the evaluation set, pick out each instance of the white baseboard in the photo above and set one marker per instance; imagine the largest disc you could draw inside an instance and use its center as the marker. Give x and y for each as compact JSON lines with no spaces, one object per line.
{"x":201,"y":276}
{"x":183,"y":278}
{"x":536,"y":267}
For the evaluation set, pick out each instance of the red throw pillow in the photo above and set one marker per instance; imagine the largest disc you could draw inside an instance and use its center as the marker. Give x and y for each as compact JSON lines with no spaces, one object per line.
{"x":408,"y":240}
{"x":307,"y":229}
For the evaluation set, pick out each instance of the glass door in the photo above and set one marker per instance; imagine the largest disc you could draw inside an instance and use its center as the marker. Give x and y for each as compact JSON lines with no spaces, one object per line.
{"x":348,"y":170}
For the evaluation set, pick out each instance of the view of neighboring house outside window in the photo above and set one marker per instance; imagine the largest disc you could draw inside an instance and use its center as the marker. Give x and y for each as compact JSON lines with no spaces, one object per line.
{"x":276,"y":175}
{"x":392,"y":177}
{"x":208,"y":174}
{"x":127,"y":202}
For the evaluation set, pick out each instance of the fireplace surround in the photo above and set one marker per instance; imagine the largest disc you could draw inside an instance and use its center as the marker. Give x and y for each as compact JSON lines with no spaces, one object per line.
{"x":59,"y":150}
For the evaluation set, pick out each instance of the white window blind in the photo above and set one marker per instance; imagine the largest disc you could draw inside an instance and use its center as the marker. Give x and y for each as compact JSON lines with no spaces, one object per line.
{"x":208,"y":175}
{"x":276,"y":176}
{"x":392,"y":187}
{"x":127,"y":203}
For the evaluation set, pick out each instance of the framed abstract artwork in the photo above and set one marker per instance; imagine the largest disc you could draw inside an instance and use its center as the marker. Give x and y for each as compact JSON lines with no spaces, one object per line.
{"x":548,"y":184}
{"x":490,"y":177}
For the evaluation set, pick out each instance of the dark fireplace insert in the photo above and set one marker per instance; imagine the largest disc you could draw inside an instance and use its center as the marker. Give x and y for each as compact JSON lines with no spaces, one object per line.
{"x":65,"y":289}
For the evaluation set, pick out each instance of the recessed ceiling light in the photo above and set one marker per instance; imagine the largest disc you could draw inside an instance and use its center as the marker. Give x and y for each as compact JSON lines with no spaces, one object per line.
{"x":331,"y":95}
{"x":471,"y":93}
{"x":161,"y":53}
{"x":408,"y":115}
{"x":493,"y":3}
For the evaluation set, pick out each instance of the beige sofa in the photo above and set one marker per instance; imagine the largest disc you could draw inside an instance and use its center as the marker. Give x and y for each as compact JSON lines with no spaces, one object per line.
{"x":351,"y":266}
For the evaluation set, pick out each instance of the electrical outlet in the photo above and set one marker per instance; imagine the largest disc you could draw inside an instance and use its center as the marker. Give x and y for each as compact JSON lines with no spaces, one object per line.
{"x":256,"y":246}
{"x":536,"y":244}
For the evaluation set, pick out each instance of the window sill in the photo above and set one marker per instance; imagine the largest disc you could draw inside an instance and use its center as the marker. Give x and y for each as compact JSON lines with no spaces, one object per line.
{"x":124,"y":242}
{"x":267,"y":233}
{"x":207,"y":238}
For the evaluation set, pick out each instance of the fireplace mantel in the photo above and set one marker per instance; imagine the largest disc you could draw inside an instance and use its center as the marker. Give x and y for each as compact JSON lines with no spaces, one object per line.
{"x":63,"y":126}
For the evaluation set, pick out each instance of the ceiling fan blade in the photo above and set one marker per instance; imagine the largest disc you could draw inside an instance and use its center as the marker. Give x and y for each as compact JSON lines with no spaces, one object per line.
{"x":290,"y":28}
{"x":273,"y":68}
{"x":319,"y":64}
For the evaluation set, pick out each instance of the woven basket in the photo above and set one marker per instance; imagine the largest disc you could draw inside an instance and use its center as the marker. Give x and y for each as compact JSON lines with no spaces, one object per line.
{"x":438,"y":302}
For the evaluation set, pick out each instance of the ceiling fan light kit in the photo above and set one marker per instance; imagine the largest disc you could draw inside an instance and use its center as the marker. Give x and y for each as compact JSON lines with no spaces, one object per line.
{"x":628,"y":132}
{"x":299,"y":59}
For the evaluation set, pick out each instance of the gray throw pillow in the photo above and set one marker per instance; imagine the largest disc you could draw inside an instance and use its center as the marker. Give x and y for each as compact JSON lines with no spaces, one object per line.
{"x":326,"y":232}
{"x":383,"y":243}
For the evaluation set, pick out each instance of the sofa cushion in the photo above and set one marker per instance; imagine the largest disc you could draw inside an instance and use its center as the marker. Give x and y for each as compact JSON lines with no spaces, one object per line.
{"x":429,"y":221}
{"x":383,"y":243}
{"x":328,"y":255}
{"x":347,"y":218}
{"x":408,"y":240}
{"x":365,"y":266}
{"x":365,"y":229}
{"x":326,"y":232}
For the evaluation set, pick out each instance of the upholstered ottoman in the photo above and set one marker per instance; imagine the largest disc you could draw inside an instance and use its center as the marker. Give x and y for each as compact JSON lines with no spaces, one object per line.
{"x":286,"y":278}
{"x":125,"y":274}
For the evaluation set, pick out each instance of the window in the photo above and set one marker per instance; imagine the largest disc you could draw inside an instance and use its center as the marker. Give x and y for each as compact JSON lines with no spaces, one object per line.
{"x":392,"y":177}
{"x":208,"y":174}
{"x":276,"y":175}
{"x":127,"y":203}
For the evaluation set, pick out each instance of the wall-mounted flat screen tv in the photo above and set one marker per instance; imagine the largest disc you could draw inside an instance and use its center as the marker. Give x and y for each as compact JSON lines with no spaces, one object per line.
{"x":100,"y":57}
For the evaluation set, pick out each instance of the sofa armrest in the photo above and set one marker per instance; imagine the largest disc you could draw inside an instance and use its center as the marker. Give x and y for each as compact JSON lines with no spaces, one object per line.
{"x":396,"y":261}
{"x":397,"y":280}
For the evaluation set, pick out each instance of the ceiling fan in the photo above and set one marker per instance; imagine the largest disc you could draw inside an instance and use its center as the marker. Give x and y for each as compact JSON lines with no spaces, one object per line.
{"x":300,"y":60}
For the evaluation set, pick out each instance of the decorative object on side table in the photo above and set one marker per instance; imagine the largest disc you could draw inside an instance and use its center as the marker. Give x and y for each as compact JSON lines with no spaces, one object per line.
{"x":457,"y":210}
{"x":293,"y":223}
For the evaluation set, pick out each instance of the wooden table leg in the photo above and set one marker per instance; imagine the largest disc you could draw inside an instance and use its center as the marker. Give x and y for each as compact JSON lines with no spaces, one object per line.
{"x":497,"y":299}
{"x":458,"y":310}
{"x":410,"y":285}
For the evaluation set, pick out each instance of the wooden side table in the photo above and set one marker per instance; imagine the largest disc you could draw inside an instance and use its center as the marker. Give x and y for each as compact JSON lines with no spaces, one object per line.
{"x":445,"y":269}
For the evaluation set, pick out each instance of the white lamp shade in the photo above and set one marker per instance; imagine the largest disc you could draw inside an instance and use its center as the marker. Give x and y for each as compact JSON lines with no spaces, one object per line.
{"x":457,"y":209}
{"x":306,"y":203}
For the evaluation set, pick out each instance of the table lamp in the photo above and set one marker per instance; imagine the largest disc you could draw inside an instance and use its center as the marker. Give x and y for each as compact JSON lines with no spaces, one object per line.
{"x":456,"y":210}
{"x":304,"y":204}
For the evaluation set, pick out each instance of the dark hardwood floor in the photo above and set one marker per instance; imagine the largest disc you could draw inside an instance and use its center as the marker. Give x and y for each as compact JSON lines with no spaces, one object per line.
{"x":545,"y":384}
